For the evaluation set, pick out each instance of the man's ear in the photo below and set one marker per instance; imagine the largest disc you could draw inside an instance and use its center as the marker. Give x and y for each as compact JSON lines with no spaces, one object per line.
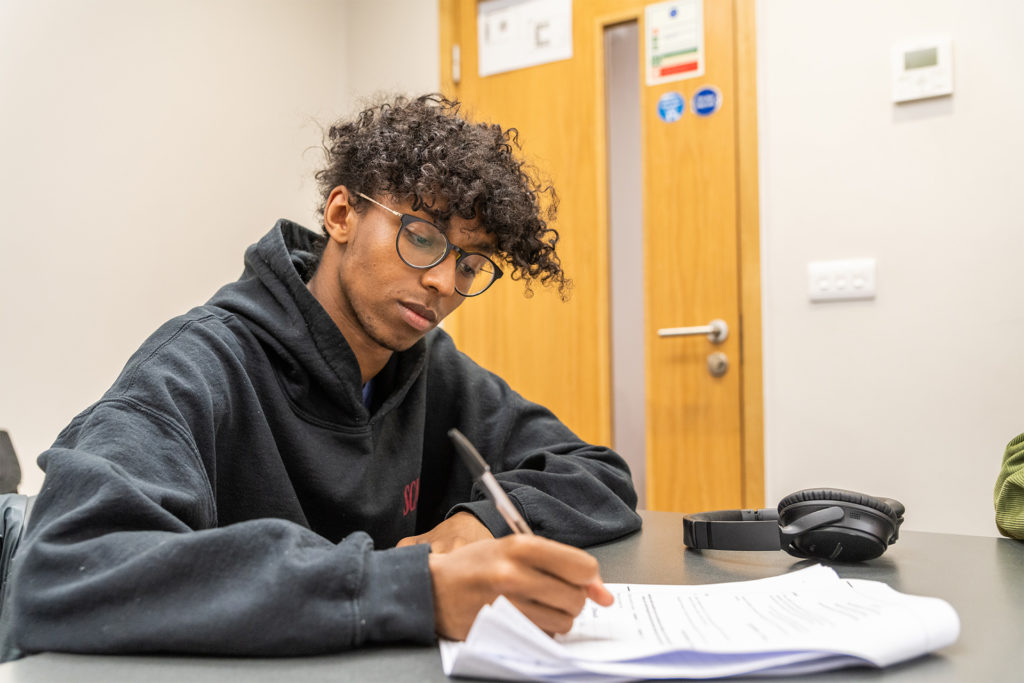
{"x":339,"y":216}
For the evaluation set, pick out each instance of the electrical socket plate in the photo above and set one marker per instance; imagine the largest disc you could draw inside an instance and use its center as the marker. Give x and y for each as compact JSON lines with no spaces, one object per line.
{"x":845,"y":280}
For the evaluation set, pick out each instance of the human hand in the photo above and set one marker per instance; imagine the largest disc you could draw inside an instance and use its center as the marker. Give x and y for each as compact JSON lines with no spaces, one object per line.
{"x":547,"y":581}
{"x":454,"y":532}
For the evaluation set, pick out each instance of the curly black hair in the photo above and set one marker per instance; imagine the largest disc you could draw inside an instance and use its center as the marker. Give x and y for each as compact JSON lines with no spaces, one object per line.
{"x":424,"y":152}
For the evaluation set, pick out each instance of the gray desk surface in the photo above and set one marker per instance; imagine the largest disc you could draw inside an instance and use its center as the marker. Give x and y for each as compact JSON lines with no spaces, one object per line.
{"x":982,"y":577}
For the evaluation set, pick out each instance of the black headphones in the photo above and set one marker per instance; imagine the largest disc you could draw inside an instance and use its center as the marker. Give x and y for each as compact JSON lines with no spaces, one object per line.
{"x":829,"y":524}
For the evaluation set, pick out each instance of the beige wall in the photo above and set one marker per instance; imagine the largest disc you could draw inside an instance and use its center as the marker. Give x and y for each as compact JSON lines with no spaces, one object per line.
{"x":915,"y":394}
{"x":392,"y":46}
{"x":145,"y":144}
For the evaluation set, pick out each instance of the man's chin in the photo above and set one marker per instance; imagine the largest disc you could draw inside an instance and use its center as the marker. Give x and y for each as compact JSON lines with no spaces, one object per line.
{"x":397,"y":348}
{"x":401,"y":344}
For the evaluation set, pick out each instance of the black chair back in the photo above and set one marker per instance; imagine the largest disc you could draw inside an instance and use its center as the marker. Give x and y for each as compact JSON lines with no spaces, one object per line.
{"x":10,"y":470}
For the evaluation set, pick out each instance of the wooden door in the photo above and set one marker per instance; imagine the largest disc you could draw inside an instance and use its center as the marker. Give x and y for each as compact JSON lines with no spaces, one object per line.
{"x":704,"y":445}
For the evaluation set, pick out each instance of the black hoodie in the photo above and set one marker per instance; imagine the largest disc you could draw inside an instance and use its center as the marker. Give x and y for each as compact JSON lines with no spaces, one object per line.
{"x":227,"y":494}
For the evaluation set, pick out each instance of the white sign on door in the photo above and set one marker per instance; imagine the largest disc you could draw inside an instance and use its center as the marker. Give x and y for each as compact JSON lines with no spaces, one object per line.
{"x":514,"y":34}
{"x":675,"y":41}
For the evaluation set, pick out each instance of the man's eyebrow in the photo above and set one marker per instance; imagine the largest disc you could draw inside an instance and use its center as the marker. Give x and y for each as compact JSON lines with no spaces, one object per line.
{"x":480,"y":247}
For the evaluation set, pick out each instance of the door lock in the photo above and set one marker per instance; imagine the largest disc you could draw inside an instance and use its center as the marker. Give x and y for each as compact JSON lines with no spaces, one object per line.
{"x":718,"y":364}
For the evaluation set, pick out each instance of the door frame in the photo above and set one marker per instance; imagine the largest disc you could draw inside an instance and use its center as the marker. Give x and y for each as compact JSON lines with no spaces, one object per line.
{"x":749,"y":227}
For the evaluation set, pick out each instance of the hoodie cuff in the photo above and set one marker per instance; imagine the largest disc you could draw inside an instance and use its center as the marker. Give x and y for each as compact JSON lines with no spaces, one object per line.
{"x":398,"y":603}
{"x":485,"y":511}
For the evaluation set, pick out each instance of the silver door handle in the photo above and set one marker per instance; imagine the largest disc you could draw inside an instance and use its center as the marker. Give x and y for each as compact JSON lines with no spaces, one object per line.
{"x":717,"y":331}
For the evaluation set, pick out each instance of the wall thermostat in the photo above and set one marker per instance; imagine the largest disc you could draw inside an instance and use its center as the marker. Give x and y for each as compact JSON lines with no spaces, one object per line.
{"x":921,"y":69}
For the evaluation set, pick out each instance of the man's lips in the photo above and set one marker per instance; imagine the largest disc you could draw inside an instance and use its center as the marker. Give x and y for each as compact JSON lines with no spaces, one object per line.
{"x":421,"y":318}
{"x":421,"y":311}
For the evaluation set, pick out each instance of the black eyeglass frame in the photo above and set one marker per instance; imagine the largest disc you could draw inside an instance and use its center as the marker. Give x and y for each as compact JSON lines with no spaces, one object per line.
{"x":405,"y":219}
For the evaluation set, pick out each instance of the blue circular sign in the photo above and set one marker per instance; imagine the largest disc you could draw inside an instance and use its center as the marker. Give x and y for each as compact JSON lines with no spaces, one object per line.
{"x":670,"y":106}
{"x":706,"y":101}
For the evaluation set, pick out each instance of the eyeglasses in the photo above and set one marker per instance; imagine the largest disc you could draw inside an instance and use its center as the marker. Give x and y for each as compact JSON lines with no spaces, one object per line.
{"x":422,"y":245}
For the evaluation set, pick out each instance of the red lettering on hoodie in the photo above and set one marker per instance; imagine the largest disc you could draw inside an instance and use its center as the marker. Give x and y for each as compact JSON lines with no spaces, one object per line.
{"x":411,"y":496}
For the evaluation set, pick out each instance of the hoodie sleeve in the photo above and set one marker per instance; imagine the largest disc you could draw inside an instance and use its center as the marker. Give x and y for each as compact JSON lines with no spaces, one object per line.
{"x":124,"y":555}
{"x":565,"y":488}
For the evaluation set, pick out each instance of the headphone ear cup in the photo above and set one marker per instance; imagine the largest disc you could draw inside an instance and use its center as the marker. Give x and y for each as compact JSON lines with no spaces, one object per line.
{"x":883,"y":505}
{"x":867,"y":528}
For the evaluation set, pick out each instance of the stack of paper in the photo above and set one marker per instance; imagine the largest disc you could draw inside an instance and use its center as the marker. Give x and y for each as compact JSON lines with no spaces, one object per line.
{"x":805,"y":621}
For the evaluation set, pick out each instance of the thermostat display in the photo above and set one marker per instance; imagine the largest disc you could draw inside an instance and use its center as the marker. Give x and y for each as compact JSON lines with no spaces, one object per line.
{"x":922,"y":69}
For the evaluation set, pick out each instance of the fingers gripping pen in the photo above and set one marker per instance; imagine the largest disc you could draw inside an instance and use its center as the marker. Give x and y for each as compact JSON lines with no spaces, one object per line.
{"x":482,"y":473}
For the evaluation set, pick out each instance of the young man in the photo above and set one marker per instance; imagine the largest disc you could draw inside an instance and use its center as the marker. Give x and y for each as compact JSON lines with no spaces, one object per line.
{"x":271,"y":472}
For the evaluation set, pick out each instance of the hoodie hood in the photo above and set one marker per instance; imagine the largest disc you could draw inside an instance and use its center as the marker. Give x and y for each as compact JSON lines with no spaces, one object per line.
{"x":318,"y":369}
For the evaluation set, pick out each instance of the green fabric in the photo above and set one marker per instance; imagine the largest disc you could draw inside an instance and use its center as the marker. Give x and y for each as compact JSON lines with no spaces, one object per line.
{"x":1009,"y":494}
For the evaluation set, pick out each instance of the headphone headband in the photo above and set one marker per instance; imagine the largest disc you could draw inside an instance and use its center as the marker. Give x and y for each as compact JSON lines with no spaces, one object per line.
{"x":833,"y":524}
{"x":733,"y":530}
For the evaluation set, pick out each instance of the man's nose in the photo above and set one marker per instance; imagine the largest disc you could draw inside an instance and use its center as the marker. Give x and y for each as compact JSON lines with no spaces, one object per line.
{"x":442,"y":276}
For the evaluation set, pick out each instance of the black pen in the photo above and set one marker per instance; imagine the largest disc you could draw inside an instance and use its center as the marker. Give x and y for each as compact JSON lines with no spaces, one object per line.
{"x":482,"y":473}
